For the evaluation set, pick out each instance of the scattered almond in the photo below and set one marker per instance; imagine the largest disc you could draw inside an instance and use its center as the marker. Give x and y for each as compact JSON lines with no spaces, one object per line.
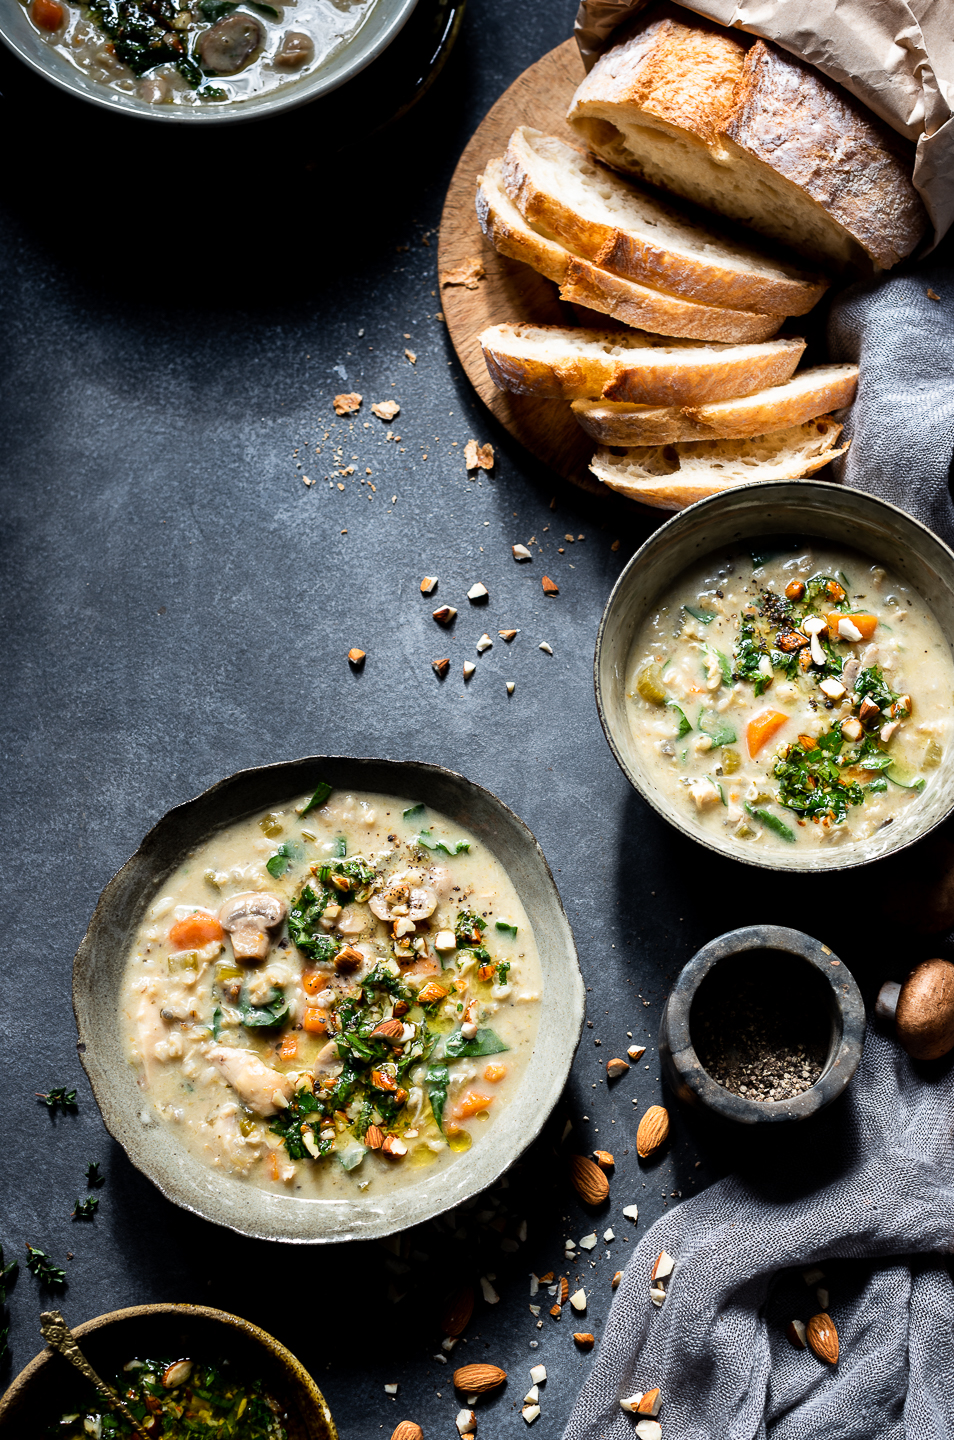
{"x":932,"y":294}
{"x":653,"y":1131}
{"x":347,"y":404}
{"x":388,"y":1030}
{"x":510,"y":687}
{"x":177,"y":1373}
{"x":477,"y":592}
{"x":394,"y":1147}
{"x":615,"y":545}
{"x":549,"y":588}
{"x":649,"y":1403}
{"x":440,"y":667}
{"x":547,"y":649}
{"x":466,"y":1422}
{"x":636,"y":1052}
{"x":630,"y":1402}
{"x":469,"y":273}
{"x":588,"y":1180}
{"x":821,"y":1295}
{"x":484,"y":643}
{"x":657,"y":1295}
{"x":478,"y":457}
{"x":428,"y":584}
{"x":812,"y":1277}
{"x":457,"y":1312}
{"x":444,"y":614}
{"x":648,"y":1430}
{"x":604,"y":1159}
{"x":578,"y":1300}
{"x":539,"y":1372}
{"x":407,"y":1430}
{"x":555,"y":1311}
{"x":795,"y":1331}
{"x":663,"y":1267}
{"x":822,"y":1336}
{"x":374,"y":1137}
{"x":386,"y":409}
{"x":431,"y":992}
{"x":348,"y":960}
{"x":479,"y":1379}
{"x":615,"y":1068}
{"x":546,"y":1279}
{"x":631,"y":1212}
{"x":520,"y":552}
{"x":614,"y":1283}
{"x":585,"y":1342}
{"x":356,"y":656}
{"x":530,"y":1413}
{"x":411,"y":356}
{"x":564,"y":1289}
{"x":469,"y":668}
{"x":507,"y":635}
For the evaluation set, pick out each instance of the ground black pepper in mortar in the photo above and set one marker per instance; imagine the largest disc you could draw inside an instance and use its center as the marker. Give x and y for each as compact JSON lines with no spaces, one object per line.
{"x":760,"y":1035}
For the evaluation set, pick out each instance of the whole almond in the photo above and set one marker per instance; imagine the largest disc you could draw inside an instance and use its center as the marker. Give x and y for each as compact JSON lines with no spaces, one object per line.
{"x":457,"y":1312}
{"x":653,"y":1131}
{"x":585,"y":1342}
{"x":588,"y":1179}
{"x":604,"y":1159}
{"x":407,"y":1430}
{"x":479,"y":1379}
{"x":388,"y":1030}
{"x":823,"y":1338}
{"x":374,"y":1137}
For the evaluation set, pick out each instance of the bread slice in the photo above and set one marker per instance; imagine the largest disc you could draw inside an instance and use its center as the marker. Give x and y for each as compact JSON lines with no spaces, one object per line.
{"x":584,"y":284}
{"x":669,"y":477}
{"x":622,"y":228}
{"x":807,"y":395}
{"x":549,"y":360}
{"x":753,"y":133}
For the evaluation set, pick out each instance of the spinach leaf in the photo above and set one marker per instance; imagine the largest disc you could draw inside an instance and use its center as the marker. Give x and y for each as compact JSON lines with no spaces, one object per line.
{"x":264,"y":1017}
{"x":685,"y":725}
{"x":213,"y":10}
{"x":878,"y":786}
{"x":485,"y":1042}
{"x":321,"y":793}
{"x":772,"y":822}
{"x":705,"y":616}
{"x":720,"y":732}
{"x":278,"y":863}
{"x":144,"y":35}
{"x":412,"y":811}
{"x":711,"y":653}
{"x":217,"y":1024}
{"x":437,"y":1080}
{"x":903,"y":779}
{"x":426,"y":839}
{"x":272,"y":14}
{"x":341,"y":847}
{"x":506,"y":929}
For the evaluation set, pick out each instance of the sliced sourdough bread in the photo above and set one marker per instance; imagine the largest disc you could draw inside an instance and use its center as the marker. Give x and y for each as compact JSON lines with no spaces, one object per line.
{"x":582,"y":283}
{"x":807,"y":395}
{"x":751,"y":132}
{"x":622,"y":228}
{"x":559,"y":363}
{"x":669,"y":477}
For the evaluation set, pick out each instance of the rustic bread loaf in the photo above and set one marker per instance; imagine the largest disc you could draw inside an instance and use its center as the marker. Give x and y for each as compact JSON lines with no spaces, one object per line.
{"x":669,"y":477}
{"x":584,"y":284}
{"x":753,"y":133}
{"x":622,"y":228}
{"x":807,"y":395}
{"x":548,"y":360}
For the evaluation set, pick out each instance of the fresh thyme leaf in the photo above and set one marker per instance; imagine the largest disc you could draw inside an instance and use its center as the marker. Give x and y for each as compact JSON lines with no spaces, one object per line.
{"x":772,"y":822}
{"x":322,"y":791}
{"x":264,"y":1017}
{"x":40,"y":1265}
{"x":59,"y":1096}
{"x":85,"y":1209}
{"x":506,"y":929}
{"x":93,"y":1177}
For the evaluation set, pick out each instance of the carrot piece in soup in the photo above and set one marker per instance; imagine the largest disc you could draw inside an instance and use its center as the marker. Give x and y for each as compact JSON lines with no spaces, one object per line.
{"x":314,"y":1020}
{"x":866,"y":624}
{"x":494,"y":1073}
{"x":472,"y":1104}
{"x":47,"y":15}
{"x":289,"y":1047}
{"x":273,"y":1166}
{"x":761,"y":728}
{"x":195,"y":931}
{"x":312,"y":981}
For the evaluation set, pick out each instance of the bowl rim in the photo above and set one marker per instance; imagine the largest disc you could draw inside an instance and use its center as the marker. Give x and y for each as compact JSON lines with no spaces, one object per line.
{"x":261,"y":1337}
{"x":842,"y":1063}
{"x":572,"y":1004}
{"x":302,"y":93}
{"x":848,"y":860}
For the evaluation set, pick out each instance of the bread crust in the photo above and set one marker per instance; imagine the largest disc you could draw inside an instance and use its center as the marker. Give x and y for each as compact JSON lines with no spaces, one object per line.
{"x":699,"y":277}
{"x":747,"y":99}
{"x":584,"y":284}
{"x":654,"y":372}
{"x":802,"y":451}
{"x":778,"y":408}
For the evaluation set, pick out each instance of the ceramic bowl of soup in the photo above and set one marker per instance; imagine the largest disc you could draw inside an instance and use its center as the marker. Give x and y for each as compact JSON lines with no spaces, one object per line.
{"x":227,"y":1358}
{"x":207,"y":62}
{"x":774,"y":675}
{"x":329,"y":999}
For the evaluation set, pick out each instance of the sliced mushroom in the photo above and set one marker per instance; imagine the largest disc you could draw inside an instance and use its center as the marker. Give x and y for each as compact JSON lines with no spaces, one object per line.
{"x":248,"y":918}
{"x":257,"y":1085}
{"x":296,"y":49}
{"x":230,"y":43}
{"x":922,"y":1009}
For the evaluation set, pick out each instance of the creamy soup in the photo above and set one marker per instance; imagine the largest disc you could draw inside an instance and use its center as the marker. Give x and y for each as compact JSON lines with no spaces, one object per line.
{"x":332,"y":995}
{"x":800,"y":698}
{"x":207,"y":52}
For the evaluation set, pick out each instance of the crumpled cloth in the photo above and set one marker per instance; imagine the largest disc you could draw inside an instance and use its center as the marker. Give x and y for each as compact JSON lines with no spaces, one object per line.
{"x":869,"y":1181}
{"x":896,"y":56}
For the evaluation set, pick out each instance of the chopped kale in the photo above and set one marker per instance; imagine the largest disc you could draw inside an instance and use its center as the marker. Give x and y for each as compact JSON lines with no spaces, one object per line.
{"x":288,"y":1126}
{"x":485,"y":1042}
{"x":303,"y":920}
{"x":413,"y":811}
{"x":810,"y":778}
{"x":280,"y":862}
{"x":264,"y":1017}
{"x":506,"y":929}
{"x":144,"y":35}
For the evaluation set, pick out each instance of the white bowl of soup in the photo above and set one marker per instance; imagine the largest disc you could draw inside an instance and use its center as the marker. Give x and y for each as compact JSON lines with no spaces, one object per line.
{"x":329,"y":999}
{"x":774,"y":675}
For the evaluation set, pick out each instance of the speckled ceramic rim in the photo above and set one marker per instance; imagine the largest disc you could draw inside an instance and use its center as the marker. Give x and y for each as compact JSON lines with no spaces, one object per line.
{"x":844,"y":1055}
{"x":100,"y":962}
{"x":381,"y":27}
{"x":311,"y":1403}
{"x":808,"y":507}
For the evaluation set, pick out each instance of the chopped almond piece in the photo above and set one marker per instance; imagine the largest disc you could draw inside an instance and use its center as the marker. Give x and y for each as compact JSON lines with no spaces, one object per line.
{"x":440,"y":667}
{"x":356,"y":656}
{"x":549,"y":588}
{"x":428,"y":584}
{"x":430,"y":992}
{"x":507,"y":635}
{"x":444,"y":614}
{"x":604,"y":1159}
{"x":616,"y":1067}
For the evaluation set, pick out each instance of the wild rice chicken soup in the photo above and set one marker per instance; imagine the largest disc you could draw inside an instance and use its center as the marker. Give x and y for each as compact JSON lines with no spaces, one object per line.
{"x":205,"y":53}
{"x":791,"y":694}
{"x":333,"y":994}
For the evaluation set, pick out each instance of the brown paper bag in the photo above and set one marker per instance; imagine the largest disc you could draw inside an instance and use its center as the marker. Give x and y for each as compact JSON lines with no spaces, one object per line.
{"x":896,"y":56}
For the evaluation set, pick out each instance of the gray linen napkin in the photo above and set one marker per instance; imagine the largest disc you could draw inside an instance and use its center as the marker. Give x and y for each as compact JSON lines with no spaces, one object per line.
{"x":867,"y":1188}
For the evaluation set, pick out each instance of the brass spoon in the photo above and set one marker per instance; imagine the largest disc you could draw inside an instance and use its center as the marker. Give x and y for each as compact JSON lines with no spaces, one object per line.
{"x":60,"y":1337}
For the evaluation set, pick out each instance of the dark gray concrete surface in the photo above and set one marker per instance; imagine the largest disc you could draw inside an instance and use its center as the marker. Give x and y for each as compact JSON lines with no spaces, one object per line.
{"x":176,"y":314}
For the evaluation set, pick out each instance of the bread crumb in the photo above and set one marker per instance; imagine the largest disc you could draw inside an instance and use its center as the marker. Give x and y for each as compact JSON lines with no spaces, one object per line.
{"x":469,"y":274}
{"x":347,"y":404}
{"x":411,"y":356}
{"x":478,"y":457}
{"x":932,"y":295}
{"x":386,"y":409}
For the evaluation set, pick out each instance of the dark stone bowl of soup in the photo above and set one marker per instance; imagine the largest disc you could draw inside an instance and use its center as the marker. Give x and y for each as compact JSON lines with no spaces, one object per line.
{"x":774,"y":675}
{"x":238,"y":1360}
{"x":201,"y":61}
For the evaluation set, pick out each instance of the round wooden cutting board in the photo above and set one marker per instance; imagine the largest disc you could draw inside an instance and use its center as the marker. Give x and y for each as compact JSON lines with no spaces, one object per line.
{"x":511,"y":291}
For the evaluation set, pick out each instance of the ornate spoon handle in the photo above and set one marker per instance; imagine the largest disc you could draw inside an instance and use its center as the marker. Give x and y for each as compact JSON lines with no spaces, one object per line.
{"x":60,"y":1337}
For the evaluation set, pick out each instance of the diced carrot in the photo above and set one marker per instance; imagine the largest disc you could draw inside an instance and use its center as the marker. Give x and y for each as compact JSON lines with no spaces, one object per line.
{"x":195,"y":931}
{"x":867,"y":624}
{"x":289,"y":1047}
{"x":47,"y":15}
{"x":314,"y":1020}
{"x":493,"y":1073}
{"x":273,"y":1165}
{"x":312,"y":981}
{"x":472,"y":1104}
{"x":761,"y":728}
